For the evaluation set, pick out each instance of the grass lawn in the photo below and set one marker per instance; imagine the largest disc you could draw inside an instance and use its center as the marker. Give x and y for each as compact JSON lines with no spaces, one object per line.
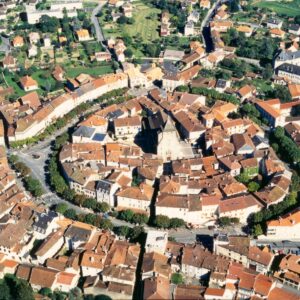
{"x":288,"y":8}
{"x":44,"y":79}
{"x":14,"y":85}
{"x":146,"y":24}
{"x":94,"y":71}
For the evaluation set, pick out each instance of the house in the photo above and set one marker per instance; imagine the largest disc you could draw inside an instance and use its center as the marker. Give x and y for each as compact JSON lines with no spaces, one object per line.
{"x":156,"y":288}
{"x":277,"y":229}
{"x":127,"y":9}
{"x":156,"y":241}
{"x":240,"y":207}
{"x":294,"y":29}
{"x":106,"y":190}
{"x":136,"y":198}
{"x":28,"y":83}
{"x":247,"y":30}
{"x":50,"y":246}
{"x":260,"y":260}
{"x":289,"y":72}
{"x":58,"y":73}
{"x":18,"y":41}
{"x":102,"y":56}
{"x":274,"y":23}
{"x":289,"y":272}
{"x":189,"y":28}
{"x":246,"y":92}
{"x":9,"y":62}
{"x":287,"y":57}
{"x":128,"y":127}
{"x":242,"y":144}
{"x":34,"y":37}
{"x":277,"y":33}
{"x":205,"y":4}
{"x":32,"y":51}
{"x":83,"y":35}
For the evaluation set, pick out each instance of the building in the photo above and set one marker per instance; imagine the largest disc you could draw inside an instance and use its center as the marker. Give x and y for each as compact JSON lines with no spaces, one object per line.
{"x":289,"y":72}
{"x":127,"y":128}
{"x":277,"y":229}
{"x":28,"y":83}
{"x":136,"y":198}
{"x":83,"y":35}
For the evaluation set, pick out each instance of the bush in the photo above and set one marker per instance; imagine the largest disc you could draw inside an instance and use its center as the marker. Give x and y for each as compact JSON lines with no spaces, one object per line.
{"x":176,"y":223}
{"x":61,"y":208}
{"x":139,"y":218}
{"x":126,"y":215}
{"x":162,"y":221}
{"x":177,"y":278}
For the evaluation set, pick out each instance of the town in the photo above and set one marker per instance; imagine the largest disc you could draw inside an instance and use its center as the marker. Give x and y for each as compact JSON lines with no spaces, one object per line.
{"x":149,"y":149}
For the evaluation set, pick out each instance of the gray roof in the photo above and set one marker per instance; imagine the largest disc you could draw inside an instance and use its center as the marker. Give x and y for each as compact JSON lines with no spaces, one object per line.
{"x":104,"y":185}
{"x":84,"y":131}
{"x":115,"y":114}
{"x":78,"y":234}
{"x":43,"y":220}
{"x":287,"y":55}
{"x":294,"y":27}
{"x":289,"y":68}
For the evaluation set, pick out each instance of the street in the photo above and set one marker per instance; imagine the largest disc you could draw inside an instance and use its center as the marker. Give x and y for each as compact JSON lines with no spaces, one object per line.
{"x":95,"y":22}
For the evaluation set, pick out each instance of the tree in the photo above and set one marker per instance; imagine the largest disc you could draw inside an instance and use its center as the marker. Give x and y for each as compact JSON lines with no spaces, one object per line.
{"x":106,"y":224}
{"x":70,"y":214}
{"x":162,"y":221}
{"x":61,"y":208}
{"x":128,"y":52}
{"x":90,"y":219}
{"x":267,"y":72}
{"x":48,"y":24}
{"x":102,"y":207}
{"x":176,"y":223}
{"x":243,"y":178}
{"x":90,"y":203}
{"x":22,"y":291}
{"x":4,"y":291}
{"x":282,"y":93}
{"x":224,"y":221}
{"x":177,"y":278}
{"x":122,"y":230}
{"x":253,"y":186}
{"x":45,"y":292}
{"x":234,"y":5}
{"x":257,"y":230}
{"x":139,"y":218}
{"x":102,"y":297}
{"x":126,"y":215}
{"x":136,"y":233}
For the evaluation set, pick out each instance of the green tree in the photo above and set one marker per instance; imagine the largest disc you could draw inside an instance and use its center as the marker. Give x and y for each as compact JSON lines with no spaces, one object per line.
{"x":106,"y":224}
{"x":102,"y":207}
{"x":4,"y":291}
{"x":177,"y":278}
{"x":90,"y":219}
{"x":224,"y":221}
{"x":136,"y":233}
{"x":122,"y":230}
{"x":257,"y":230}
{"x":61,"y":208}
{"x":70,"y":214}
{"x":253,"y":186}
{"x":162,"y":221}
{"x":90,"y":203}
{"x":176,"y":223}
{"x":126,"y":215}
{"x":139,"y":218}
{"x":45,"y":292}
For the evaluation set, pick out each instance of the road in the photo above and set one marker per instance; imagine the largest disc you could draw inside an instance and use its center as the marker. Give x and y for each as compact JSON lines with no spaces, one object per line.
{"x":95,"y":22}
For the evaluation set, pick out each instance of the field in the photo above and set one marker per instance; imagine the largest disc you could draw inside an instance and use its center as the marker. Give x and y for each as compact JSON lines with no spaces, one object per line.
{"x":288,"y":8}
{"x":146,"y":24}
{"x":94,"y":71}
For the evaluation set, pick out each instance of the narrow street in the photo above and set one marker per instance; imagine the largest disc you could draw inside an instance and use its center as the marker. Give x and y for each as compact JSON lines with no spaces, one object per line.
{"x":95,"y":22}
